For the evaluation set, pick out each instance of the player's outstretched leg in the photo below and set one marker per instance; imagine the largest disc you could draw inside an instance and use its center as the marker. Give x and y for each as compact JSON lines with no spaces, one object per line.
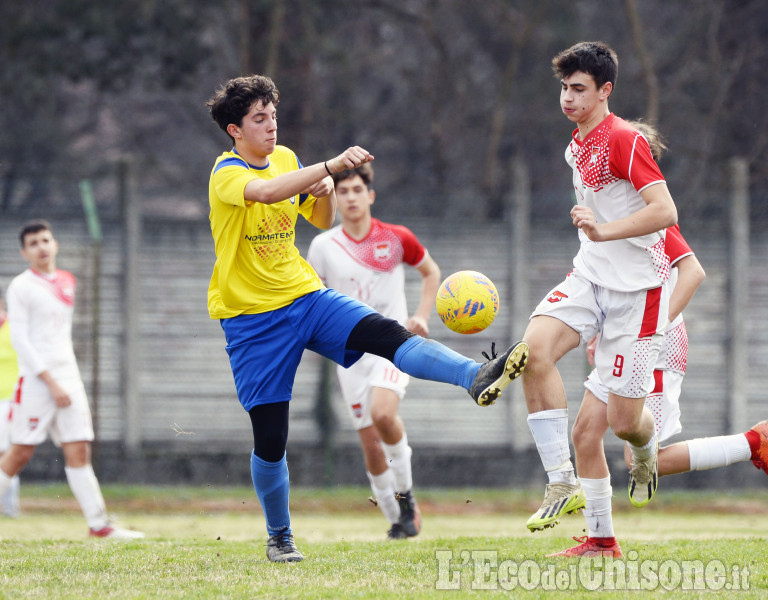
{"x":498,"y":372}
{"x":644,"y":478}
{"x":592,"y":547}
{"x":760,"y":454}
{"x":559,"y":499}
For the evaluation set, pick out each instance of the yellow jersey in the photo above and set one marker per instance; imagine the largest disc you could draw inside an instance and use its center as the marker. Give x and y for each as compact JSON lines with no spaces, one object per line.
{"x":9,"y":370}
{"x":258,"y":267}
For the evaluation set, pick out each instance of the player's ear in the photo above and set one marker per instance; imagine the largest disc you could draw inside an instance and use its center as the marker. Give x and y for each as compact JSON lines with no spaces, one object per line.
{"x":371,"y":197}
{"x":606,"y":90}
{"x":234,"y":131}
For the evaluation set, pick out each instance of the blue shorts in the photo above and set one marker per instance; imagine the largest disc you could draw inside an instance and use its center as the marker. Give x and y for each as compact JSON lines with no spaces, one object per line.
{"x":265,"y":349}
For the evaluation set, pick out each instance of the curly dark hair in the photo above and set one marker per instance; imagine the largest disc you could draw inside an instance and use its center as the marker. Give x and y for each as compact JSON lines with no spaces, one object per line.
{"x":592,"y":58}
{"x":234,"y":99}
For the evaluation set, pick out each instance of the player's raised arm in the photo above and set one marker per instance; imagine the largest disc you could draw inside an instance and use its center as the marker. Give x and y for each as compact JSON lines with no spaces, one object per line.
{"x":270,"y":191}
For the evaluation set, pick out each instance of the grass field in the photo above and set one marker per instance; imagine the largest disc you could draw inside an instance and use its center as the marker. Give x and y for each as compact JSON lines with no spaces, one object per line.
{"x":209,"y":543}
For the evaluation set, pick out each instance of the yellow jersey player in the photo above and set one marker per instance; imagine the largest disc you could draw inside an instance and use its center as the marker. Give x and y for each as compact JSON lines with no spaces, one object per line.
{"x":272,"y":305}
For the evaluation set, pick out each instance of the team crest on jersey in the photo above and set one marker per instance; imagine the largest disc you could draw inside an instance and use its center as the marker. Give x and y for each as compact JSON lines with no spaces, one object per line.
{"x":33,"y":423}
{"x":293,"y":199}
{"x":382,"y":251}
{"x":595,"y":153}
{"x":556,"y":296}
{"x":357,"y":410}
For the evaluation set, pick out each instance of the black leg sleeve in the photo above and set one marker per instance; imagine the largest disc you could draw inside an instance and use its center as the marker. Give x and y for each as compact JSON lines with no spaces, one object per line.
{"x":270,"y":430}
{"x":378,"y":335}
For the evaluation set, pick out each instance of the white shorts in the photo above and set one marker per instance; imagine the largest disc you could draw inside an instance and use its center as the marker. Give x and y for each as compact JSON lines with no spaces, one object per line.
{"x":630,"y":326}
{"x":35,"y":416}
{"x":663,"y":401}
{"x":356,"y":383}
{"x":5,"y":424}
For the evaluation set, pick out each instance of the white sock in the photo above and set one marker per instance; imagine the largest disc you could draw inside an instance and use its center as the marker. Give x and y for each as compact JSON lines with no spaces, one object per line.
{"x":399,"y":461}
{"x":646,"y":450}
{"x":383,"y":487}
{"x":550,"y":432}
{"x":597,"y":511}
{"x":5,"y":483}
{"x":85,"y":487}
{"x":9,"y":501}
{"x":721,"y":451}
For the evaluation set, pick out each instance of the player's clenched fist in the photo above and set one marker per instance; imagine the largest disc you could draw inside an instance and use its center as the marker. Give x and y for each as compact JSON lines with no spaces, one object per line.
{"x":351,"y":158}
{"x":584,"y":219}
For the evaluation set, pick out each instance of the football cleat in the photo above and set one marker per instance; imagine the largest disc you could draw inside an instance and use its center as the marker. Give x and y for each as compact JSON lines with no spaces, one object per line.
{"x":410,"y":515}
{"x":760,"y":455}
{"x":643,"y":479}
{"x":559,"y":499}
{"x":282,"y":549}
{"x":498,"y":372}
{"x":592,"y":547}
{"x":396,"y":532}
{"x":115,"y":533}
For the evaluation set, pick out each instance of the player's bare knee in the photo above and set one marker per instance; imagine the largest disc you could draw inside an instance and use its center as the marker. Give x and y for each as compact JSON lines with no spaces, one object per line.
{"x":384,"y":420}
{"x":584,"y":437}
{"x":18,"y":457}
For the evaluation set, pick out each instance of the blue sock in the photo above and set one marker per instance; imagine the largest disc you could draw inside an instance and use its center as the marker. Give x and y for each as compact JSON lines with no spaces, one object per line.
{"x":428,"y":359}
{"x":270,"y":480}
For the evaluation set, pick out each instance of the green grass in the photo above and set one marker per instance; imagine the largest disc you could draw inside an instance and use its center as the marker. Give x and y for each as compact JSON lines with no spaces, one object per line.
{"x":209,"y":543}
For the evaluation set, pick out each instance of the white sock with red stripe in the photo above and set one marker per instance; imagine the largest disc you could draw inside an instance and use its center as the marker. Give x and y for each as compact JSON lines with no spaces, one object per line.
{"x":85,"y":487}
{"x":720,"y":451}
{"x":597,"y":511}
{"x":550,"y":432}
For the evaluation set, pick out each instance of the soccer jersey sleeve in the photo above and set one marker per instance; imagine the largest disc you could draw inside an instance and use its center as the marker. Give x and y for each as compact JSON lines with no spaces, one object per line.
{"x":230,"y":176}
{"x":631,"y":158}
{"x":413,"y":252}
{"x":675,"y":245}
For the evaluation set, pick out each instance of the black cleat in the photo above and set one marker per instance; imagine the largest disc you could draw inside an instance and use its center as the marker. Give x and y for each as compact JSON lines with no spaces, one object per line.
{"x":396,"y":532}
{"x":496,"y":374}
{"x":280,"y":548}
{"x":410,"y":515}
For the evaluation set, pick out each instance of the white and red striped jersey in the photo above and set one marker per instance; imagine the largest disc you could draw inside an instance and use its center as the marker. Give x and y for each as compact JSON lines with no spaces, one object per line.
{"x":611,"y":166}
{"x":40,"y":311}
{"x":370,"y":269}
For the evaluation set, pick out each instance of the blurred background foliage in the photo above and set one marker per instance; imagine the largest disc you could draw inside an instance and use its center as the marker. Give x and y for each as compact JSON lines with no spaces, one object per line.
{"x":444,"y":92}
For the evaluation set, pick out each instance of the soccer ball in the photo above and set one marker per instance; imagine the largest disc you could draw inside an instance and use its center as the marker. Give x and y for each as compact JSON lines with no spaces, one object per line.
{"x":467,"y":302}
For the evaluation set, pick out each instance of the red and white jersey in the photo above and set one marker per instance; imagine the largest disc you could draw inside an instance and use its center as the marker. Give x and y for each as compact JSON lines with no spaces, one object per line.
{"x":370,"y":269}
{"x":40,"y":311}
{"x":673,"y":355}
{"x":611,"y":166}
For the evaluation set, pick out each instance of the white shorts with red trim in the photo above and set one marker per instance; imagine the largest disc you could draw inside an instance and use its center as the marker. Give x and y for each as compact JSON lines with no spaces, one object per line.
{"x":663,"y":401}
{"x":35,"y":416}
{"x":357,"y":381}
{"x":630,"y":326}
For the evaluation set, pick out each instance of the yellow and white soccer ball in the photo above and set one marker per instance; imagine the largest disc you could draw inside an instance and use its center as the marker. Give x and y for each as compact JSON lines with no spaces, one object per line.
{"x":467,"y":302}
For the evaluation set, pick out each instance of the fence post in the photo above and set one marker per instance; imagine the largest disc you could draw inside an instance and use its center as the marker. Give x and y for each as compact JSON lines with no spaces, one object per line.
{"x":94,"y":229}
{"x":518,"y":289}
{"x":738,"y":292}
{"x":131,"y":214}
